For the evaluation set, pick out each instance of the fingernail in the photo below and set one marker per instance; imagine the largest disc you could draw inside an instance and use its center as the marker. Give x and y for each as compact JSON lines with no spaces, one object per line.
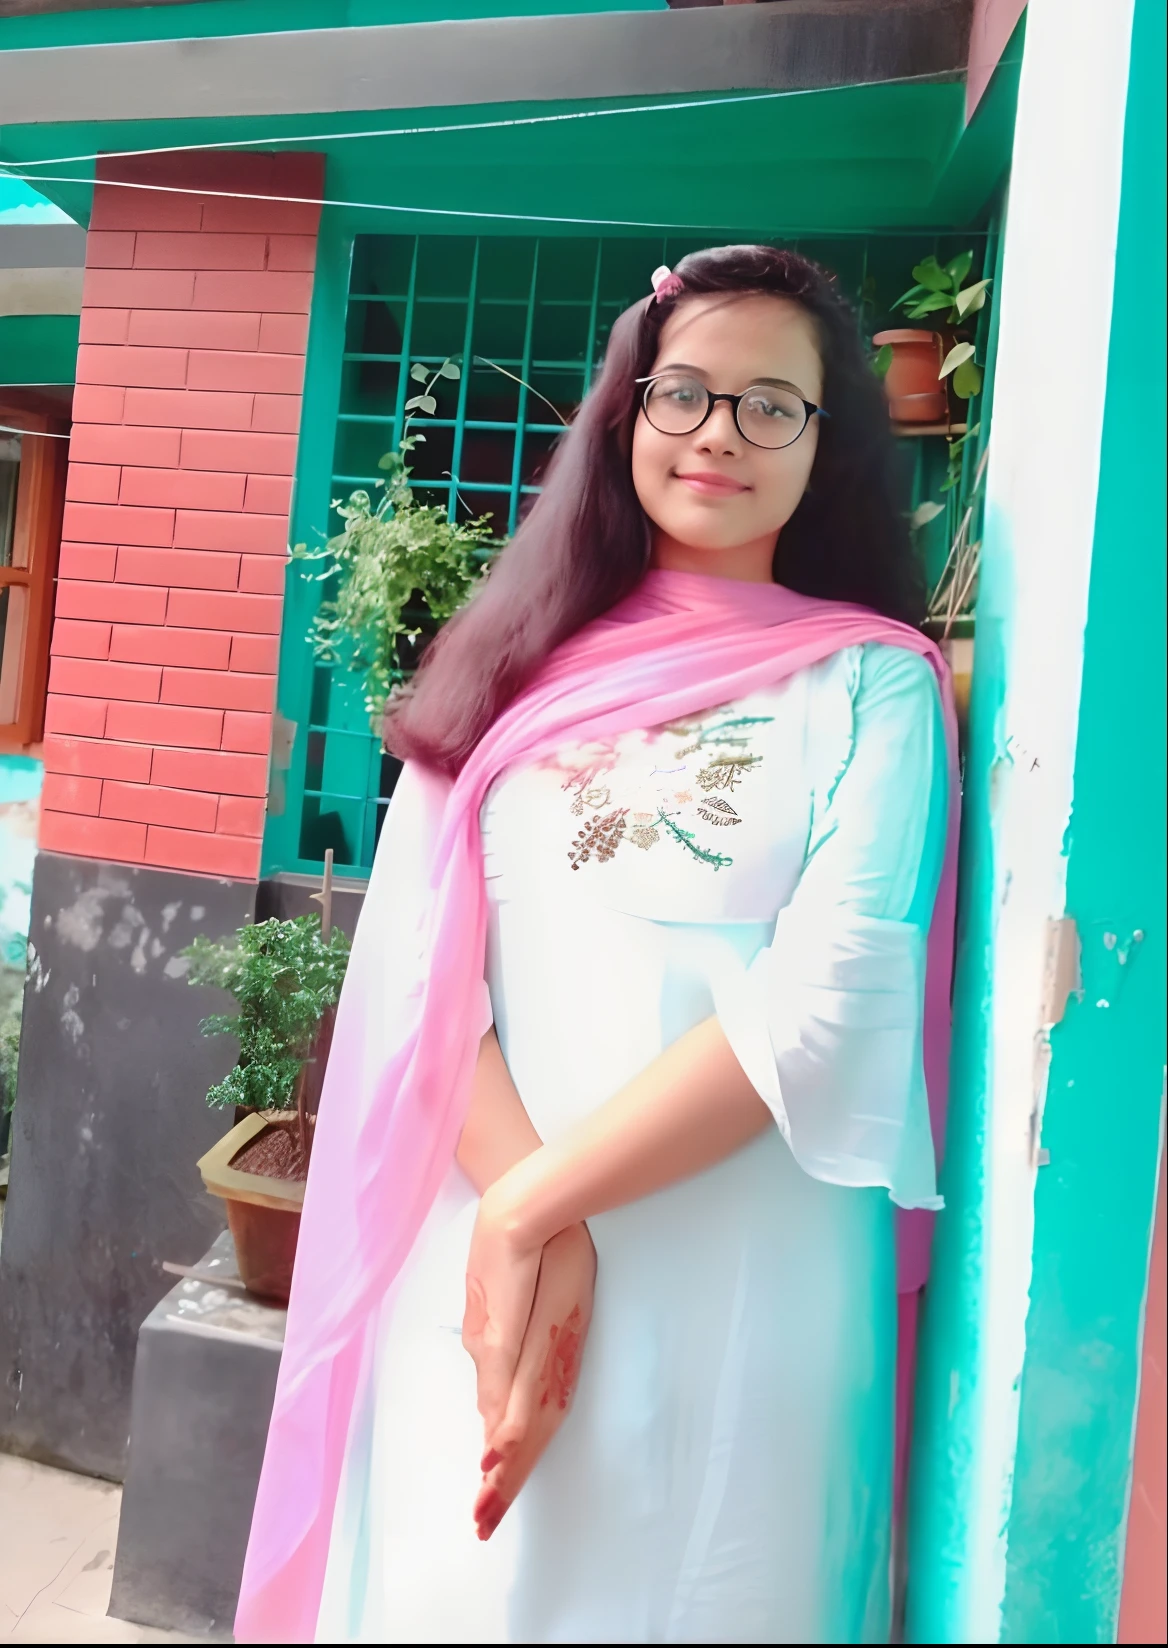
{"x":490,"y":1514}
{"x":491,"y":1458}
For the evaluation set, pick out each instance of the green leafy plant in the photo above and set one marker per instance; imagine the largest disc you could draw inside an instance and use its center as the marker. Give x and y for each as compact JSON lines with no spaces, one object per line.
{"x":866,"y":309}
{"x":284,"y":977}
{"x":956,"y":462}
{"x":396,"y":563}
{"x":940,"y":292}
{"x":9,"y":1059}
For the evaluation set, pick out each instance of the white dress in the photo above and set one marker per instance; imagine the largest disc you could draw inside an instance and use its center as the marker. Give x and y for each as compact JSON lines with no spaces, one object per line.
{"x":725,"y":1472}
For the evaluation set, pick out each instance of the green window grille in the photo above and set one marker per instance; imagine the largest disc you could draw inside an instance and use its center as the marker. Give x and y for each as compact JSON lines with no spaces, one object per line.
{"x":529,"y":321}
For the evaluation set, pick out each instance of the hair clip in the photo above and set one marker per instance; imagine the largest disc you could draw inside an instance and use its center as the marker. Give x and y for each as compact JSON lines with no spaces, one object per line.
{"x":665,"y":283}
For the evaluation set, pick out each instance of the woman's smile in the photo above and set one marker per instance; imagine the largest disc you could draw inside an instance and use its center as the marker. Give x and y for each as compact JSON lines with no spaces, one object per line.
{"x":709,"y":483}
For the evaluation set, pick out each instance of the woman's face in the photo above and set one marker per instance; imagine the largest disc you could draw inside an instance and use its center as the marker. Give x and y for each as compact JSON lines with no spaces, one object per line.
{"x":717,"y":502}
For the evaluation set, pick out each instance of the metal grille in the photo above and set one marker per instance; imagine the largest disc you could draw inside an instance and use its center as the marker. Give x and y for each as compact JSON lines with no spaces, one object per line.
{"x":540,"y":310}
{"x":508,"y":308}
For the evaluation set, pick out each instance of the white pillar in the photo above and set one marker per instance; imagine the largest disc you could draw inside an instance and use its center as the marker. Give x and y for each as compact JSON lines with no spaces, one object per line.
{"x":1054,"y":327}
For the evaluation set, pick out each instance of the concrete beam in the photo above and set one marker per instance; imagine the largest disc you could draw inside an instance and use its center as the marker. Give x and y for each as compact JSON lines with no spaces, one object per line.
{"x":796,"y":45}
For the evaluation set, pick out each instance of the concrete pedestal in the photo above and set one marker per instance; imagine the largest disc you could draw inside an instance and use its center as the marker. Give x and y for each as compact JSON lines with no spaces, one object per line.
{"x":204,"y":1380}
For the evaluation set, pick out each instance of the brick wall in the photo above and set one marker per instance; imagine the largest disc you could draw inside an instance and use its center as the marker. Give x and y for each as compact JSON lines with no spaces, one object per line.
{"x":186,"y":414}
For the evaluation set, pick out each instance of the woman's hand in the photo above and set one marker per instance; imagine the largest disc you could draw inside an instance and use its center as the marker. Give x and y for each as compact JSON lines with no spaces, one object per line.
{"x":545,"y":1375}
{"x":501,"y":1272}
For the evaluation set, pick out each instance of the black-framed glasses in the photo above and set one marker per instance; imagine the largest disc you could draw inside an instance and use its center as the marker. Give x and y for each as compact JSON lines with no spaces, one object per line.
{"x":767,"y":414}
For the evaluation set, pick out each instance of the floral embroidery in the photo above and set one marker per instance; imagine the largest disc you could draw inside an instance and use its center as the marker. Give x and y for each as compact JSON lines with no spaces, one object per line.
{"x":644,"y":832}
{"x":717,"y":811}
{"x":686,"y":839}
{"x":587,"y":792}
{"x":602,"y":837}
{"x":725,"y":772}
{"x":710,"y":763}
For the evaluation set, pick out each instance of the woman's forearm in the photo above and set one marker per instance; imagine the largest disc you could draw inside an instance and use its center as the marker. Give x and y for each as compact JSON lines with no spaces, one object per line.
{"x":691,"y":1108}
{"x":497,"y":1132}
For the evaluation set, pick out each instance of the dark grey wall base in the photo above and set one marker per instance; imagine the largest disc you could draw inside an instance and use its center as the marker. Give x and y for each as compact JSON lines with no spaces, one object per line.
{"x":110,"y":1120}
{"x":203,"y":1388}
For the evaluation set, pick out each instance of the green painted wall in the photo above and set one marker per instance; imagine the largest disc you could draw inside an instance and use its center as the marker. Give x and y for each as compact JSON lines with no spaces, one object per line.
{"x":310,"y":524}
{"x":1095,"y":1201}
{"x":844,"y":160}
{"x":956,"y":1304}
{"x":38,"y":348}
{"x":214,"y":17}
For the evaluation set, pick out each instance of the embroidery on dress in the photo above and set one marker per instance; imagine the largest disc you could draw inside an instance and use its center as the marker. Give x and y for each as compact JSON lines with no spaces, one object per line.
{"x":710,"y":764}
{"x":602,"y":837}
{"x":717,"y":811}
{"x":644,"y":832}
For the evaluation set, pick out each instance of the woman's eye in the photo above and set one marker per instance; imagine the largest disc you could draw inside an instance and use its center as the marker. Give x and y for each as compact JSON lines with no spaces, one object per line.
{"x":768,"y":406}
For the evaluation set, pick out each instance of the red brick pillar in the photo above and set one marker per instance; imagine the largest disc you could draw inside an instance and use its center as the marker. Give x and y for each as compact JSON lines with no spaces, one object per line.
{"x":186,"y":414}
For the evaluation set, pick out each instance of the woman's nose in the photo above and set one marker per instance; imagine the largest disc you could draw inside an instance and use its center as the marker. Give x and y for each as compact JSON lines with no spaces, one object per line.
{"x":720,"y":429}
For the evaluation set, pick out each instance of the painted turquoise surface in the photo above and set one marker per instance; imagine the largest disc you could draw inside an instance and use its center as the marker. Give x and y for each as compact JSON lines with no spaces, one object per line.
{"x":855,"y":159}
{"x":227,"y":17}
{"x":665,"y":161}
{"x":309,"y":521}
{"x":948,"y":1419}
{"x":20,"y":203}
{"x":1095,"y":1202}
{"x":38,"y":349}
{"x":20,"y":788}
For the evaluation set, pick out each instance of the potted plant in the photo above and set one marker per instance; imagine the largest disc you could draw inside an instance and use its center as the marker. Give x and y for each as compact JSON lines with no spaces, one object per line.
{"x":286,"y":978}
{"x":915,"y":363}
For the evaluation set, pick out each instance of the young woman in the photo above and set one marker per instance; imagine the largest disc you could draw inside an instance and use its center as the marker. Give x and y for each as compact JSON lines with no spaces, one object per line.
{"x":629,"y":1068}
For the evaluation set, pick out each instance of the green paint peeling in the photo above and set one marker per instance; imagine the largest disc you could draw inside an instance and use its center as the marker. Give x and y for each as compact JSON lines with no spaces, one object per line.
{"x":1102,"y":1126}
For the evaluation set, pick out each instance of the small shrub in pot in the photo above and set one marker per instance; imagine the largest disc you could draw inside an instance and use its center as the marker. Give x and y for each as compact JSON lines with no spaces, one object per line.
{"x":286,"y":979}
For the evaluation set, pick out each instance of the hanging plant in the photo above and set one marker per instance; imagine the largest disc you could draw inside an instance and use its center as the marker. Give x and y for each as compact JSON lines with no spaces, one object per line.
{"x":397,"y":565}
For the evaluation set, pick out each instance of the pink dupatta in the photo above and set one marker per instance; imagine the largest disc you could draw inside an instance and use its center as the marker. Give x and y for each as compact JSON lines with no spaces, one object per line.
{"x":411,"y":1016}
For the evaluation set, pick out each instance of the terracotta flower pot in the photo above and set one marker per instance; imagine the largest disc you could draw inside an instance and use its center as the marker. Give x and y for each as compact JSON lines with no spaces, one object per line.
{"x":263,"y":1213}
{"x":915,"y":394}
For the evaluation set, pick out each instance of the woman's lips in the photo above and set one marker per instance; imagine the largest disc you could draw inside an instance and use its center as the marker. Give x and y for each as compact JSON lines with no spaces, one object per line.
{"x":709,"y":484}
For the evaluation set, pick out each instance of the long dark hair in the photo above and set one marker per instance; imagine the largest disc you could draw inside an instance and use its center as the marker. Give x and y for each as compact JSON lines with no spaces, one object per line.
{"x":585,"y":544}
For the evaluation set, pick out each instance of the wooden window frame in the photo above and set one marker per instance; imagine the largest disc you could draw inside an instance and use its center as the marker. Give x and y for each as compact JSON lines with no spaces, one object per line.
{"x":40,"y":502}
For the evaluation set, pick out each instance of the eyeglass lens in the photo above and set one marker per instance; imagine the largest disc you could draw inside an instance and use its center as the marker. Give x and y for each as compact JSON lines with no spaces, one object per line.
{"x":766,"y":415}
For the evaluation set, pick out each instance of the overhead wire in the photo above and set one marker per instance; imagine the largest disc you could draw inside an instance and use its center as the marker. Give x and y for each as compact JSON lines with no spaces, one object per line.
{"x":473,"y":213}
{"x":24,"y":171}
{"x":727,"y":99}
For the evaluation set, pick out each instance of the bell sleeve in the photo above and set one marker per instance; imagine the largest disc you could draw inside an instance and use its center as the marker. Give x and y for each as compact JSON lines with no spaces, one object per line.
{"x":826,"y":1020}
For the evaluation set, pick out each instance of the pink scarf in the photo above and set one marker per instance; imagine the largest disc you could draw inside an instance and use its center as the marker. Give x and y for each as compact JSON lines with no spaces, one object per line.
{"x":400,"y":1069}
